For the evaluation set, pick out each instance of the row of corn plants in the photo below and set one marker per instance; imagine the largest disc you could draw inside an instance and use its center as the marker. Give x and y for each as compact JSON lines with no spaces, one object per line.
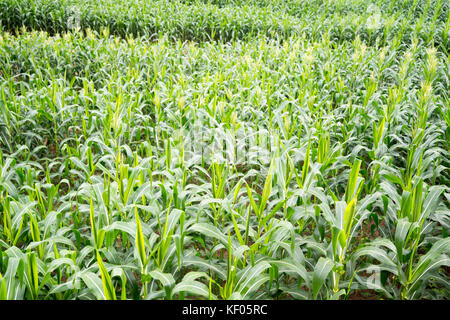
{"x":157,"y":168}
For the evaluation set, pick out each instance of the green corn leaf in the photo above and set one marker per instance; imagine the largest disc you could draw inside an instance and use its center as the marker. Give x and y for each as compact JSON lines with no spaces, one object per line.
{"x":305,"y":167}
{"x":431,"y":201}
{"x":210,"y":231}
{"x":349,"y":216}
{"x":140,"y":245}
{"x":401,"y":231}
{"x":3,"y":291}
{"x":417,"y":200}
{"x":236,"y":230}
{"x":434,"y":258}
{"x":93,"y":225}
{"x":255,"y":285}
{"x":252,"y":201}
{"x":94,"y":283}
{"x":108,"y":288}
{"x":321,"y":271}
{"x":267,"y":189}
{"x":379,"y":255}
{"x":193,"y":287}
{"x":118,"y":272}
{"x":32,"y":273}
{"x":250,"y":273}
{"x":236,"y":190}
{"x":289,"y":266}
{"x":166,"y":279}
{"x":352,"y":180}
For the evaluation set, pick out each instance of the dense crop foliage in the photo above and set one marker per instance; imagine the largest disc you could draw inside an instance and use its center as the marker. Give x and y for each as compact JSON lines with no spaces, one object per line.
{"x":227,"y":20}
{"x":224,"y":149}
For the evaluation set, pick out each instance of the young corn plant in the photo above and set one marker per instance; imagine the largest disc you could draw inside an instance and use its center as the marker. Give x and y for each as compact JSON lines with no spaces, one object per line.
{"x":224,"y":149}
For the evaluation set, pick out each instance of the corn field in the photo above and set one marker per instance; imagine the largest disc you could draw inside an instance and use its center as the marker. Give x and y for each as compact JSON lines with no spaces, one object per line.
{"x":224,"y":149}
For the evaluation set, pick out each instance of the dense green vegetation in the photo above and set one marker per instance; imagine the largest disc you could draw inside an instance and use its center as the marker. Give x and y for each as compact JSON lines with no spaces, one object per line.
{"x":225,"y":20}
{"x":221,"y":149}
